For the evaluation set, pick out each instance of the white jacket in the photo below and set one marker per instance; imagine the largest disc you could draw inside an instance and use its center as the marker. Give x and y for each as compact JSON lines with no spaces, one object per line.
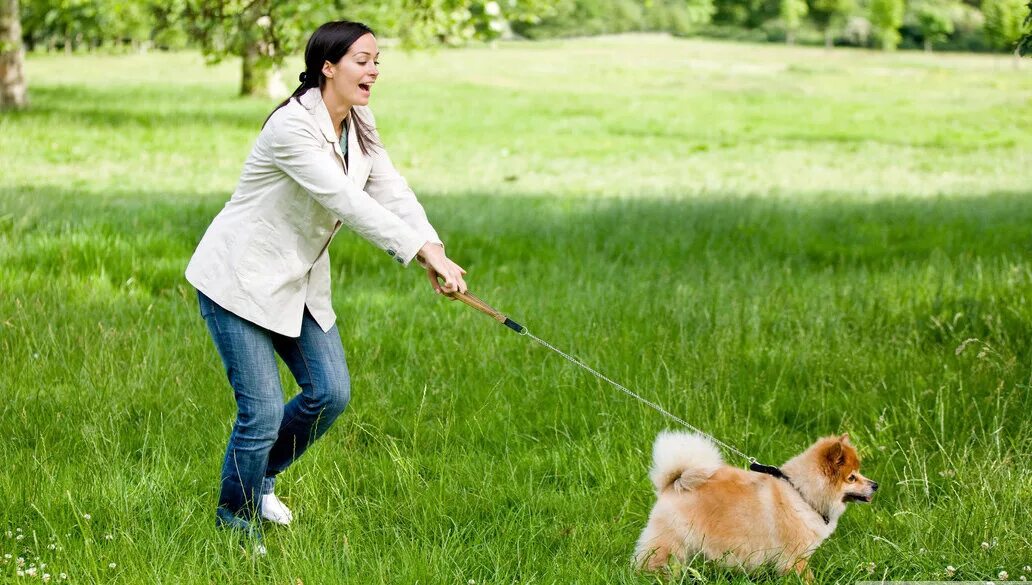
{"x":264,"y":257}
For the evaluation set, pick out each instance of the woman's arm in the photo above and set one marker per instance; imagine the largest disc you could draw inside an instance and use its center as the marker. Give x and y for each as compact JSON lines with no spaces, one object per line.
{"x":300,"y":153}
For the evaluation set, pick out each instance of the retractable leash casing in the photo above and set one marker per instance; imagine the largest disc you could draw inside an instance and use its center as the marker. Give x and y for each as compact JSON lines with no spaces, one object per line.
{"x":497,"y":315}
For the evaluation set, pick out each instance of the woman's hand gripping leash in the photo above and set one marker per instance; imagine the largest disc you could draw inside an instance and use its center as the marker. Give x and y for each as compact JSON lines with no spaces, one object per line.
{"x":438,"y":267}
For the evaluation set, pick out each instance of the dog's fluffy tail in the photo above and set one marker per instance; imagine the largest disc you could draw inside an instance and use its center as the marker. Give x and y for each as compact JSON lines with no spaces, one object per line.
{"x":683,"y":460}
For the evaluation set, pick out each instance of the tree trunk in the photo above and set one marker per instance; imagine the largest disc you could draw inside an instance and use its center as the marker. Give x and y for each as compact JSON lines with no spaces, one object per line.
{"x":928,"y":45}
{"x":259,"y":75}
{"x":254,"y":77}
{"x":13,"y":92}
{"x":789,"y":37}
{"x":828,"y":38}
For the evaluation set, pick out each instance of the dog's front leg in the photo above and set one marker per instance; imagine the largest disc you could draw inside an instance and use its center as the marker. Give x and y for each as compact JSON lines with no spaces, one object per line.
{"x":804,"y":572}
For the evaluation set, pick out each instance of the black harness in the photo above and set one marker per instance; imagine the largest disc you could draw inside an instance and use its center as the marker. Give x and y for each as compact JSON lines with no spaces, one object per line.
{"x":776,"y":472}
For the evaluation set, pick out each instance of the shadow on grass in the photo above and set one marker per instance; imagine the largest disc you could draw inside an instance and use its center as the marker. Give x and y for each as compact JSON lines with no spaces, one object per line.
{"x":638,"y":236}
{"x":140,"y":106}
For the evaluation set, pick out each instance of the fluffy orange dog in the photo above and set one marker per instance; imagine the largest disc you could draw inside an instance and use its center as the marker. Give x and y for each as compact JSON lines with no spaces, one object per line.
{"x":744,"y":518}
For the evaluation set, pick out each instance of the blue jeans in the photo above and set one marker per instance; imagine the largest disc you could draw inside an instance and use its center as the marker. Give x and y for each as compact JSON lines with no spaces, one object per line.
{"x":268,"y":435}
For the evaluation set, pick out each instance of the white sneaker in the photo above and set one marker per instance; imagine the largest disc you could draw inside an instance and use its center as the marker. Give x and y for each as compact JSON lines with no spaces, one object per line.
{"x":275,"y":511}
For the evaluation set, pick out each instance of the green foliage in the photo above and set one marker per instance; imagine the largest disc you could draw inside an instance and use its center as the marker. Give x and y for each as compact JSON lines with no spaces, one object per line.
{"x":829,"y":13}
{"x":1025,"y":45}
{"x":87,"y":23}
{"x":934,"y":19}
{"x":887,"y":17}
{"x":455,"y":22}
{"x":745,"y":13}
{"x":792,"y":13}
{"x":1005,"y":22}
{"x":592,"y":17}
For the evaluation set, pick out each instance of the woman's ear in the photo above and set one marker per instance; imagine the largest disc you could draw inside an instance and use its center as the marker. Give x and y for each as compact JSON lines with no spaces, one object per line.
{"x":327,"y":70}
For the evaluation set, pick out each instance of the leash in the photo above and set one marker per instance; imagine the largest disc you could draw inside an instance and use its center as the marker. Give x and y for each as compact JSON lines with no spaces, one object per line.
{"x":772,"y":470}
{"x":490,"y":311}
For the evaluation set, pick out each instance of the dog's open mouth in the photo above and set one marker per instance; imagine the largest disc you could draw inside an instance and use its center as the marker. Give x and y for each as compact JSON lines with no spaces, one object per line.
{"x":856,"y":498}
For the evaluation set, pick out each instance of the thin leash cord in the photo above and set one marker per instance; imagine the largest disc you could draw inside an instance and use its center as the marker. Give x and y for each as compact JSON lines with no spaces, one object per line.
{"x":636,"y":396}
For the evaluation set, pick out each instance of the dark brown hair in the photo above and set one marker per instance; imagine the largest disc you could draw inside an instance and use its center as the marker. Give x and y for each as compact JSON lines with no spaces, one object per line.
{"x":330,"y":42}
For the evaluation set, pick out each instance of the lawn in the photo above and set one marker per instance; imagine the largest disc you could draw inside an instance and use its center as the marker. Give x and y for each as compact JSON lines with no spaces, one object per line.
{"x":774,"y":243}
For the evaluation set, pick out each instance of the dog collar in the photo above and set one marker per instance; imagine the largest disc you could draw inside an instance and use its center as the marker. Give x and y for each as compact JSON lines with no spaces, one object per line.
{"x":776,"y":472}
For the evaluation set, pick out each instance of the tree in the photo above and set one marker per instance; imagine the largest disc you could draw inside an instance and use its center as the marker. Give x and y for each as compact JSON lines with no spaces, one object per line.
{"x":263,"y":32}
{"x":887,"y":16}
{"x":828,"y":14}
{"x":1025,"y":44}
{"x":1005,"y":23}
{"x":934,"y":18}
{"x":792,"y":13}
{"x":13,"y":92}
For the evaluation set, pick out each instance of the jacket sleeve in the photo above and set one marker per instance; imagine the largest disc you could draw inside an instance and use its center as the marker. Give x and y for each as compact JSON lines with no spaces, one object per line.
{"x":300,"y":152}
{"x":386,"y":185}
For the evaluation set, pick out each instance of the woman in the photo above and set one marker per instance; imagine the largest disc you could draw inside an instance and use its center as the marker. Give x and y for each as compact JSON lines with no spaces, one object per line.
{"x":262,"y":270}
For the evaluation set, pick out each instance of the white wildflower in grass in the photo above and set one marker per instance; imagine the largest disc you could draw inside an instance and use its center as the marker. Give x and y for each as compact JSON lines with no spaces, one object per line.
{"x":31,"y":571}
{"x":112,"y":566}
{"x":63,"y":576}
{"x":870,"y":567}
{"x":9,"y":534}
{"x":19,"y":537}
{"x":46,"y":577}
{"x":1003,"y":575}
{"x":18,"y":530}
{"x":471,"y":582}
{"x":109,"y":536}
{"x":86,"y":516}
{"x":7,"y":556}
{"x":21,"y":561}
{"x":20,"y":573}
{"x":950,"y":570}
{"x":42,"y":566}
{"x":1023,"y":578}
{"x":52,"y":546}
{"x":985,"y":546}
{"x":1026,"y":569}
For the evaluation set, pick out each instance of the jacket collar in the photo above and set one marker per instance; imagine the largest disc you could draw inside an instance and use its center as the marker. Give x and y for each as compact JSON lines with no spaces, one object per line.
{"x":312,"y":101}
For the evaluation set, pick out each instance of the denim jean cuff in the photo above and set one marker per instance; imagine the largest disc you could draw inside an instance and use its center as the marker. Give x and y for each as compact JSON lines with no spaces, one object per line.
{"x":268,"y":485}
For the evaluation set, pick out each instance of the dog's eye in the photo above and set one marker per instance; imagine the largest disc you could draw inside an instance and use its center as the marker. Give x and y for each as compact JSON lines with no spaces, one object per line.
{"x":851,"y":478}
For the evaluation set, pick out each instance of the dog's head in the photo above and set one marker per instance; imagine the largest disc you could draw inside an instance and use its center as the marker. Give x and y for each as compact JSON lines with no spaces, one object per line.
{"x":839,"y":466}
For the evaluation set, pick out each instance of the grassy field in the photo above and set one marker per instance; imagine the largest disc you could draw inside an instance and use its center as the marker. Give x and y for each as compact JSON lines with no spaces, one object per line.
{"x":774,"y":243}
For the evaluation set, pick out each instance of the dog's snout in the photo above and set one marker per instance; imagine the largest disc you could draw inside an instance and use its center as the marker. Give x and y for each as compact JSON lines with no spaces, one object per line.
{"x":874,"y":486}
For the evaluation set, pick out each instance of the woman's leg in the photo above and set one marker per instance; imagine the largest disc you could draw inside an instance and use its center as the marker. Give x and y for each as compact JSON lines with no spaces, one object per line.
{"x":249,"y":358}
{"x":316,"y":358}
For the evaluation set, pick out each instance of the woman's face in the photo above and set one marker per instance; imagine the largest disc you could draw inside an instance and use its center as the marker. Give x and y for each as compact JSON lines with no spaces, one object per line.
{"x":352,"y":78}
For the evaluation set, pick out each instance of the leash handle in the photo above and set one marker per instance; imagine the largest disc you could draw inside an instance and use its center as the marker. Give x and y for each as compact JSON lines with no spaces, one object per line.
{"x":475,"y":302}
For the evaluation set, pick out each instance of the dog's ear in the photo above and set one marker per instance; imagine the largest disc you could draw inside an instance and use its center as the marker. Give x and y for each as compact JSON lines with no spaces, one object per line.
{"x":832,"y":458}
{"x":844,"y":438}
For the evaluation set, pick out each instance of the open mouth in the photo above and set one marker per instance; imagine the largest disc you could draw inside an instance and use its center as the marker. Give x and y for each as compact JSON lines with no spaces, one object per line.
{"x":364,"y":87}
{"x":856,"y":498}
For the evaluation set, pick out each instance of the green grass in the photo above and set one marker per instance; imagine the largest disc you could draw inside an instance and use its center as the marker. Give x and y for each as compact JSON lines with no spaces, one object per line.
{"x":775,"y":244}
